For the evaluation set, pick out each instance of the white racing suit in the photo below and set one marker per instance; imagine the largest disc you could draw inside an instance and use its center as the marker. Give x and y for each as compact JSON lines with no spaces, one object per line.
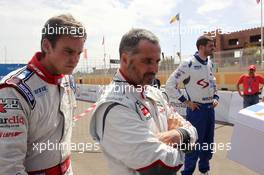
{"x":36,"y":112}
{"x":199,"y":82}
{"x":198,"y":79}
{"x":126,"y":122}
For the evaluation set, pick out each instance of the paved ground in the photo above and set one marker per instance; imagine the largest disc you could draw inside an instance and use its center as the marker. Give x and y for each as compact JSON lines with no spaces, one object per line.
{"x":93,"y":163}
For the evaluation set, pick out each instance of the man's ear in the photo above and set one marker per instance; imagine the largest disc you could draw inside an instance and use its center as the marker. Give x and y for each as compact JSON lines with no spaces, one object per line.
{"x":46,"y":45}
{"x":199,"y":48}
{"x":124,"y":59}
{"x":202,"y":47}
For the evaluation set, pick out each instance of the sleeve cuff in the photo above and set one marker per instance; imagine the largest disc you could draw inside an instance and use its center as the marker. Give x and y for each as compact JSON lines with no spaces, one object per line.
{"x":216,"y":97}
{"x":182,"y":99}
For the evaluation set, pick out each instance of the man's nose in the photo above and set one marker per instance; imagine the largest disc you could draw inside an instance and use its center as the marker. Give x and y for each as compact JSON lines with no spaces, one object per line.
{"x":155,"y":67}
{"x":75,"y":58}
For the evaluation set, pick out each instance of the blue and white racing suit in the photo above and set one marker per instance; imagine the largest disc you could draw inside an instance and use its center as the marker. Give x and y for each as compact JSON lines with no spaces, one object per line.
{"x":199,"y":82}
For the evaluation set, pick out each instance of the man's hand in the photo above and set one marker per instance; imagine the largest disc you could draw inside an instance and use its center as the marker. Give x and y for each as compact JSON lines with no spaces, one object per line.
{"x":174,"y":123}
{"x":192,"y":105}
{"x":239,"y":91}
{"x":262,"y":99}
{"x":215,"y":103}
{"x":171,"y":137}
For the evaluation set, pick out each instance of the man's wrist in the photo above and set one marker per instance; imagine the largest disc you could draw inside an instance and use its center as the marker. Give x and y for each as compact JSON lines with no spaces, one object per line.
{"x":185,"y":143}
{"x":181,"y":136}
{"x":184,"y":135}
{"x":216,"y":97}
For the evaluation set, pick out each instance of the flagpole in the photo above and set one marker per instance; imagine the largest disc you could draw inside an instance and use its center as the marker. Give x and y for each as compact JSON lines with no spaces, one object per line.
{"x":173,"y":19}
{"x":261,"y":30}
{"x":87,"y":65}
{"x":104,"y":58}
{"x":180,"y":36}
{"x":104,"y":53}
{"x":5,"y":53}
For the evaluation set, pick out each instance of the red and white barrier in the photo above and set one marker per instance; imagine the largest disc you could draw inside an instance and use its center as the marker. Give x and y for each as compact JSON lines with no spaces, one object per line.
{"x":79,"y":116}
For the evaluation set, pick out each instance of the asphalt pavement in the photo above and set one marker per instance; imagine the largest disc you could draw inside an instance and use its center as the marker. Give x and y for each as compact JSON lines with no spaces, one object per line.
{"x":87,"y":158}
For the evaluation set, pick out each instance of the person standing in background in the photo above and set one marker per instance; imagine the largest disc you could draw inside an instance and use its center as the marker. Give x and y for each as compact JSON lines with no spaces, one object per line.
{"x":196,"y":73}
{"x":250,"y":82}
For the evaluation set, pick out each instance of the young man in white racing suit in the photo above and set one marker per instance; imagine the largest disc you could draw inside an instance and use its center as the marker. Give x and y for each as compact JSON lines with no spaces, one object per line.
{"x":196,"y":73}
{"x":36,"y":105}
{"x":138,"y":131}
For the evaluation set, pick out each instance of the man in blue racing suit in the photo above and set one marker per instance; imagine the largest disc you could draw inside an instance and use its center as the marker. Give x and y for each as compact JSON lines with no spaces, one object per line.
{"x":196,"y":73}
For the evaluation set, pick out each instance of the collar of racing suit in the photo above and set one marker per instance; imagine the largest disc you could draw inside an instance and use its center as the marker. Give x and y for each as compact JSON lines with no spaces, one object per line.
{"x":198,"y":58}
{"x":36,"y":66}
{"x":138,"y":90}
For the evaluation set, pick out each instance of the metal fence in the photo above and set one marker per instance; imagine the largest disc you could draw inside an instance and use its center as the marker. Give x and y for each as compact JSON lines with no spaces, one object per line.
{"x":237,"y":60}
{"x":95,"y":66}
{"x":224,"y":61}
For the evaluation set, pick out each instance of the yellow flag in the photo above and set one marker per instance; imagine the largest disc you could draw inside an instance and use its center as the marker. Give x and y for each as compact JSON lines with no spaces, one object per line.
{"x":175,"y":18}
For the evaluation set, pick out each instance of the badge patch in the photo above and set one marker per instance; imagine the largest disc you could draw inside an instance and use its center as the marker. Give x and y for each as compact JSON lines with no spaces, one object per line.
{"x":40,"y":91}
{"x":9,"y":103}
{"x":144,"y":111}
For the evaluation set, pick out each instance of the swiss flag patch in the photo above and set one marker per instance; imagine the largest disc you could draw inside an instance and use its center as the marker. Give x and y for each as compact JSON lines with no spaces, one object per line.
{"x":145,"y":112}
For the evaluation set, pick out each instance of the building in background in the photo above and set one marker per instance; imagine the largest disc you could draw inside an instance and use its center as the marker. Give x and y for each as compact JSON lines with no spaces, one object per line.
{"x":236,"y":40}
{"x":236,"y":50}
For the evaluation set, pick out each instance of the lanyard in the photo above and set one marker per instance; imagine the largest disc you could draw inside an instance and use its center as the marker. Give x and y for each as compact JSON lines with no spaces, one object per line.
{"x":250,"y":82}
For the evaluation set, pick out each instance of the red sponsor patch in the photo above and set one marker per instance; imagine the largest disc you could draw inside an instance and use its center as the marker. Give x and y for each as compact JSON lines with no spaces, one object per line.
{"x":203,"y":83}
{"x":12,"y":120}
{"x":2,"y":109}
{"x":10,"y":134}
{"x":145,"y":112}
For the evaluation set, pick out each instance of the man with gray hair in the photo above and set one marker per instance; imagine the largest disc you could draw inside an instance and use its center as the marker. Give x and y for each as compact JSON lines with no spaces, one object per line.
{"x":37,"y":103}
{"x":138,"y":131}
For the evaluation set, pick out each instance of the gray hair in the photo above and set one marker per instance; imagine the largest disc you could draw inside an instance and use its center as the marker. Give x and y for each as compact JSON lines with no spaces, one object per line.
{"x":129,"y":41}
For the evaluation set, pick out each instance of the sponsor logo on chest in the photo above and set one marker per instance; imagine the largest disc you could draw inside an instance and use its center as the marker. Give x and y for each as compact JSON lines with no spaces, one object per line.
{"x":10,"y":134}
{"x":9,"y":103}
{"x":12,"y":120}
{"x":40,"y":91}
{"x":197,"y":67}
{"x":203,"y":83}
{"x":144,"y":110}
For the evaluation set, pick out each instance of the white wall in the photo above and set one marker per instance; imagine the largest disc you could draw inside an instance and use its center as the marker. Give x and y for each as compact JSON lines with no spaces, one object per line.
{"x":227,"y":111}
